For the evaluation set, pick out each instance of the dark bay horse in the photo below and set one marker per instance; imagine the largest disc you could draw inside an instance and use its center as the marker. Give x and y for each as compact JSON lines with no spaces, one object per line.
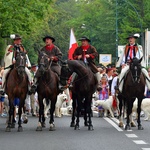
{"x":17,"y":87}
{"x":83,"y":88}
{"x":47,"y":88}
{"x":134,"y":87}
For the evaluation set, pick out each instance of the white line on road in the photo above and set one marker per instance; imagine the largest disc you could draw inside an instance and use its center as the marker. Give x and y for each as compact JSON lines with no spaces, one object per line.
{"x":113,"y":124}
{"x":117,"y":121}
{"x":131,"y":135}
{"x":139,"y":142}
{"x":145,"y":148}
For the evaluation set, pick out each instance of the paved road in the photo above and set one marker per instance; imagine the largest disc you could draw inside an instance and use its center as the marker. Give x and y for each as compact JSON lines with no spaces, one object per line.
{"x":105,"y":136}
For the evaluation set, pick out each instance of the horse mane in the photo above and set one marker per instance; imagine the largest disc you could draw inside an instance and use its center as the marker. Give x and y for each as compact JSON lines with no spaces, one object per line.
{"x":79,"y":67}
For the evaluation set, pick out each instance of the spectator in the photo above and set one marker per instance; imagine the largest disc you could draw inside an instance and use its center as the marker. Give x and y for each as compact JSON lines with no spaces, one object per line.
{"x":147,"y":92}
{"x":104,"y":93}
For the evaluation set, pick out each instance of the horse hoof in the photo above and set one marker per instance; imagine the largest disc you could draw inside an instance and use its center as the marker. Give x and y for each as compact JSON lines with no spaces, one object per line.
{"x":8,"y":129}
{"x":13,"y":125}
{"x":86,"y":124}
{"x":20,"y":129}
{"x":127,"y":127}
{"x":76,"y":127}
{"x":43,"y":124}
{"x":39,"y":128}
{"x":140,"y":128}
{"x":90,"y":128}
{"x":52,"y":127}
{"x":25,"y":121}
{"x":72,"y":124}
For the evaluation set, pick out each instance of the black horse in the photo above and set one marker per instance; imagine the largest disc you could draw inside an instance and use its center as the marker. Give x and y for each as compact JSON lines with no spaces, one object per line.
{"x":83,"y":88}
{"x":17,"y":87}
{"x":47,"y":88}
{"x":134,"y":86}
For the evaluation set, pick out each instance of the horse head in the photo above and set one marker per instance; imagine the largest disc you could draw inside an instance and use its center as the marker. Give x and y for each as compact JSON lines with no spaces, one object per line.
{"x":43,"y":62}
{"x":135,"y":67}
{"x":65,"y":72}
{"x":20,"y":63}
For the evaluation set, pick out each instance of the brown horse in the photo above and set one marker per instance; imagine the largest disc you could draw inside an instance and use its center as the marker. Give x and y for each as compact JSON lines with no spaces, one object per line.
{"x":134,"y":86}
{"x":83,"y":88}
{"x":47,"y":88}
{"x":17,"y":87}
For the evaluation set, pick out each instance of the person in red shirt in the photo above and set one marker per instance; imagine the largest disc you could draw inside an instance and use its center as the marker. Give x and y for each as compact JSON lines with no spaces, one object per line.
{"x":54,"y":54}
{"x":87,"y":53}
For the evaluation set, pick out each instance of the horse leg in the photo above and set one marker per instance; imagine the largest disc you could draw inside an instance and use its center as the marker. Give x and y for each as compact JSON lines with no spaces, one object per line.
{"x":79,"y":105}
{"x":41,"y":107}
{"x":8,"y":128}
{"x":52,"y":109}
{"x":20,"y":129}
{"x":129,"y":111}
{"x":120,"y":111}
{"x":13,"y":117}
{"x":24,"y":116}
{"x":139,"y":112}
{"x":72,"y":124}
{"x":89,"y":112}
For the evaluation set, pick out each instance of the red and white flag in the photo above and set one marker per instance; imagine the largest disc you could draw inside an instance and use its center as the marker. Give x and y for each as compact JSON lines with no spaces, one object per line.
{"x":73,"y":45}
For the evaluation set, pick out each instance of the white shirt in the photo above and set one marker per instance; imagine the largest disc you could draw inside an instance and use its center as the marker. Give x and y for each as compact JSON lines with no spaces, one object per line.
{"x":114,"y":83}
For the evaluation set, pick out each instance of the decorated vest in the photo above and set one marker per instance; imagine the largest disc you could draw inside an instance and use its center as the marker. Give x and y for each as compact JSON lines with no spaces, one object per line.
{"x":127,"y":49}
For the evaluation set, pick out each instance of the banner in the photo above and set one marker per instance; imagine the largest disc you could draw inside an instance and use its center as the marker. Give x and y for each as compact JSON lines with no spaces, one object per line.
{"x":73,"y":45}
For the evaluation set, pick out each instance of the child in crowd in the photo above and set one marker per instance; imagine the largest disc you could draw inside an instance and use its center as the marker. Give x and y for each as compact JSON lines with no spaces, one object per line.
{"x":104,"y":93}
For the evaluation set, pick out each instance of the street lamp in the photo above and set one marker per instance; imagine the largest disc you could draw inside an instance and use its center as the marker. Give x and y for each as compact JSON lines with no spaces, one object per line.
{"x":116,"y":30}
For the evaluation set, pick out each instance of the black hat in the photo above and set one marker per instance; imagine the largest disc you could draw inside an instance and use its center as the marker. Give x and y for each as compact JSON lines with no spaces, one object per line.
{"x":15,"y":36}
{"x":33,"y":65}
{"x":48,"y":37}
{"x":133,"y":36}
{"x":84,"y":38}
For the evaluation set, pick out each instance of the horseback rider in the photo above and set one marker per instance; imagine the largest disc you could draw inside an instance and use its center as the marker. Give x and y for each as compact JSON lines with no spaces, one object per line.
{"x":9,"y":58}
{"x":87,"y":53}
{"x":132,"y":49}
{"x":54,"y":54}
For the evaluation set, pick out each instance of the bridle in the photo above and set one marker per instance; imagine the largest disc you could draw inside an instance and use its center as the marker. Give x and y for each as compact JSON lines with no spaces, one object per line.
{"x":135,"y":68}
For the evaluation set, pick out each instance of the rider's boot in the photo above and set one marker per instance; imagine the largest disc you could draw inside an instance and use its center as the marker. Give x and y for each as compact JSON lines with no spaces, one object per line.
{"x":69,"y":84}
{"x":98,"y":77}
{"x":73,"y":76}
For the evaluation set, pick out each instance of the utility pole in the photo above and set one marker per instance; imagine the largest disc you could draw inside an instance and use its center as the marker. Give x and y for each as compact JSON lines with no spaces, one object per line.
{"x":116,"y":30}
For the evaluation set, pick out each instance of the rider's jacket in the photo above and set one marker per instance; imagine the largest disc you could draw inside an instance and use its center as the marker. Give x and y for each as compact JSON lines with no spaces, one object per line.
{"x":10,"y":54}
{"x":83,"y":50}
{"x":130,"y":51}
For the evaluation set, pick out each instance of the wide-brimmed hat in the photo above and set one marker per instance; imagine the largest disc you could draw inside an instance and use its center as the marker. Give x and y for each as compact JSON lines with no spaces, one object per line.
{"x":15,"y":36}
{"x":48,"y":37}
{"x":84,"y":38}
{"x":133,"y":36}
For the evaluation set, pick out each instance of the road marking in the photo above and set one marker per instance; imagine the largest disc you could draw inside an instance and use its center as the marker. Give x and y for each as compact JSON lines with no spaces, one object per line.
{"x":113,"y":124}
{"x":117,"y":121}
{"x":145,"y":148}
{"x":131,"y":135}
{"x":139,"y":142}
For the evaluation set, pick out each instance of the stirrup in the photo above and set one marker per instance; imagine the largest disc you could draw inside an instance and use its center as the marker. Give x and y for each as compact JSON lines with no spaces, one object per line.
{"x":62,"y":88}
{"x":70,"y":85}
{"x":99,"y":88}
{"x":2,"y":92}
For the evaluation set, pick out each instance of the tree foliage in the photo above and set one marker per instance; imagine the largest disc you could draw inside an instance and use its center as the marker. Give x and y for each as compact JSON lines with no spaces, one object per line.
{"x":95,"y":19}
